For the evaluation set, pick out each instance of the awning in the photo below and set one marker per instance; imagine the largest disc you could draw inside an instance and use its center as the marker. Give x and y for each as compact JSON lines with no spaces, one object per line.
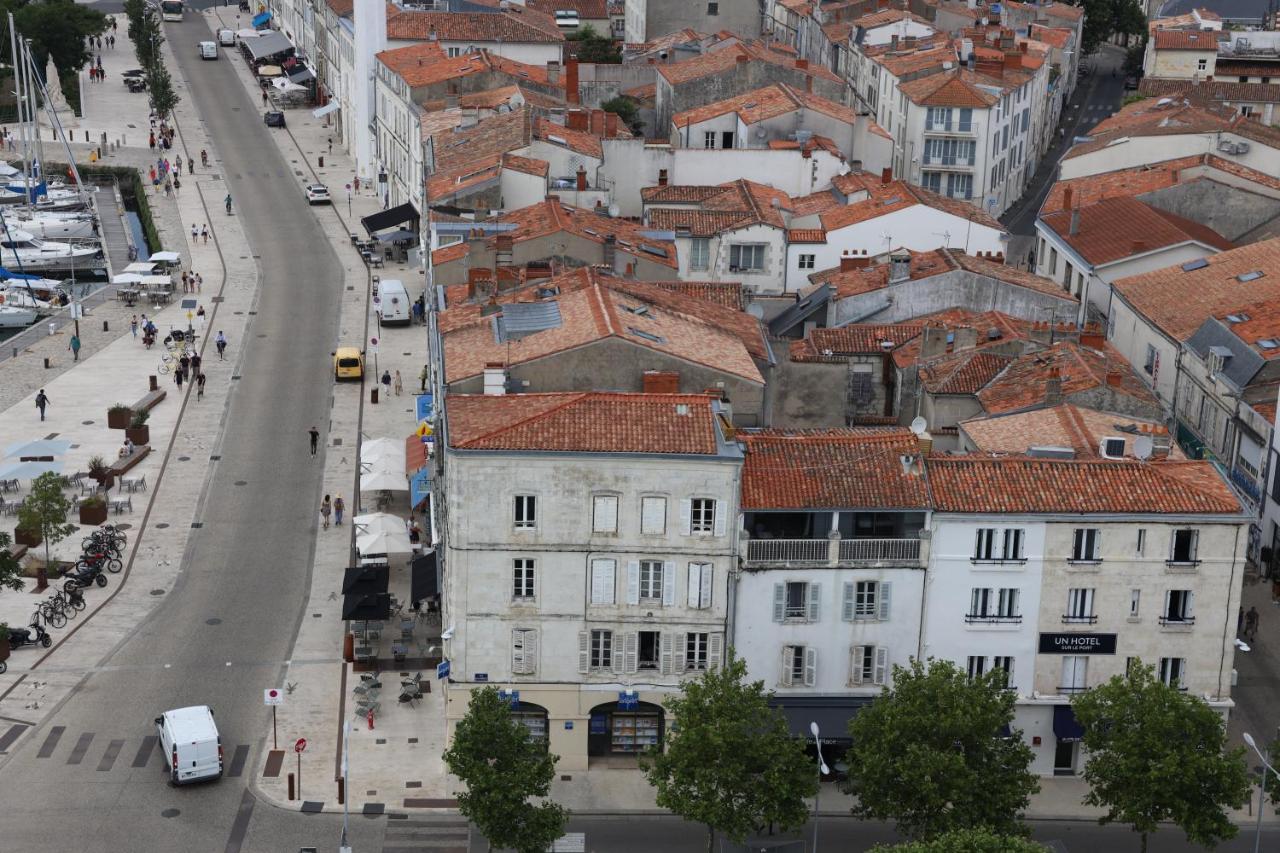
{"x":424,"y":577}
{"x":331,"y":107}
{"x":1065,"y":727}
{"x":831,"y":713}
{"x":267,"y":44}
{"x":391,"y":217}
{"x":362,"y":607}
{"x":143,"y":267}
{"x":38,"y":447}
{"x":400,"y":235}
{"x":261,"y":18}
{"x":365,"y":580}
{"x":415,"y":454}
{"x":419,"y":489}
{"x":302,"y":75}
{"x":165,"y":258}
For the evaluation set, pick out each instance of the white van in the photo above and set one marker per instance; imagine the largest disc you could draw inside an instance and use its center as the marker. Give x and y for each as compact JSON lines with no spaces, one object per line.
{"x":191,"y":744}
{"x":394,"y":307}
{"x":227,"y":38}
{"x":208,"y":50}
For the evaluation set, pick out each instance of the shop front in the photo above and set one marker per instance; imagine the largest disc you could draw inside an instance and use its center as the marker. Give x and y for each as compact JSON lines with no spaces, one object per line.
{"x":624,"y":728}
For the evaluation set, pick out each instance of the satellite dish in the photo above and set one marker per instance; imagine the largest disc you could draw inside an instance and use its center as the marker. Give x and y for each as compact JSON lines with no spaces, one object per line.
{"x":756,"y":310}
{"x":919,"y":425}
{"x":516,"y":101}
{"x":614,"y":210}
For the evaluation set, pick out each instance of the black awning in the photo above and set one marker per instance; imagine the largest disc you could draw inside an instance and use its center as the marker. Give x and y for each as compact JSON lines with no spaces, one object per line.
{"x":424,"y":577}
{"x":365,"y":580}
{"x":301,"y":75}
{"x":831,"y":713}
{"x":359,"y":606}
{"x":391,"y":217}
{"x":1065,"y":727}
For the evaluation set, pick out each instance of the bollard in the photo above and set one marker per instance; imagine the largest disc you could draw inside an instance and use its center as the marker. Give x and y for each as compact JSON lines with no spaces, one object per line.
{"x":348,"y":647}
{"x":53,"y":327}
{"x":154,"y":385}
{"x":342,"y":790}
{"x":373,"y":395}
{"x":105,"y":328}
{"x":46,"y":362}
{"x":86,"y":136}
{"x":321,"y":161}
{"x":291,"y":786}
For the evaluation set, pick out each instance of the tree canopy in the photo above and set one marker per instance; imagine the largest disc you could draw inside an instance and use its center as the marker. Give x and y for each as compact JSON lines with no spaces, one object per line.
{"x":928,"y":754}
{"x":57,"y":27}
{"x":593,"y":47}
{"x":10,"y":568}
{"x":1105,"y":18}
{"x":45,"y":509}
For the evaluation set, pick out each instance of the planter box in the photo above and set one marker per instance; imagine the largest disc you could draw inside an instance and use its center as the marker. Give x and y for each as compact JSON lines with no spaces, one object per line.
{"x":106,"y":479}
{"x":138,"y":435}
{"x":27,"y":537}
{"x":92,"y":515}
{"x":119,"y":419}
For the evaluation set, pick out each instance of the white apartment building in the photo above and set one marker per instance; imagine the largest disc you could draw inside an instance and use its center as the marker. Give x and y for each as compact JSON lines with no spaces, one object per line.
{"x":1063,"y":571}
{"x":588,"y":540}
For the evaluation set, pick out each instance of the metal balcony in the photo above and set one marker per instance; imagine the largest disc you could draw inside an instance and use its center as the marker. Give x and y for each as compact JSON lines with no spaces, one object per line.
{"x":832,"y":552}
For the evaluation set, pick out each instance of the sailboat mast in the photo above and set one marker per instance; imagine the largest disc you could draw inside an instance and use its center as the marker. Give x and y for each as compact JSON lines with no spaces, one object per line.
{"x":19,"y":68}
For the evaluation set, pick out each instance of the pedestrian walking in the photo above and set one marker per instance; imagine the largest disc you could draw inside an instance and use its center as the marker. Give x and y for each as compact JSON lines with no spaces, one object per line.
{"x":315,"y":439}
{"x":221,"y":343}
{"x":184,"y":365}
{"x":199,"y":282}
{"x":204,"y":233}
{"x":196,"y":363}
{"x":186,"y":288}
{"x":330,"y":144}
{"x":42,"y":400}
{"x":152,"y":140}
{"x":386,"y":383}
{"x":133,"y":325}
{"x":1240,"y":621}
{"x":399,"y":385}
{"x":195,"y":233}
{"x":177,"y":162}
{"x":177,"y":378}
{"x":199,"y":386}
{"x":1251,"y":624}
{"x":326,"y":507}
{"x":74,"y":346}
{"x":112,"y":41}
{"x":339,"y":507}
{"x":177,"y":182}
{"x":264,"y":98}
{"x":422,"y":377}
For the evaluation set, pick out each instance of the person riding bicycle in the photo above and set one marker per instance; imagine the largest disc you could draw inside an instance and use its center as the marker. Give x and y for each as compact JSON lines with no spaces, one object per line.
{"x":228,"y":200}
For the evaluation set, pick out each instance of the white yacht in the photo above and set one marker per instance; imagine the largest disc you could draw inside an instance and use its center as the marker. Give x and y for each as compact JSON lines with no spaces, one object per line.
{"x":16,"y":318}
{"x":23,"y":251}
{"x":51,"y":224}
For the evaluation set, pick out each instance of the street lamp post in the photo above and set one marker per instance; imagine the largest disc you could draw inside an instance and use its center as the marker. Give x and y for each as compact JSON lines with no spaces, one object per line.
{"x":1262,"y":788}
{"x":822,"y":771}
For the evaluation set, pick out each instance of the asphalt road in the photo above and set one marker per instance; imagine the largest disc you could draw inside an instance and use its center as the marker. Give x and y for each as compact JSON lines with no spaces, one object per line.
{"x":222,"y":634}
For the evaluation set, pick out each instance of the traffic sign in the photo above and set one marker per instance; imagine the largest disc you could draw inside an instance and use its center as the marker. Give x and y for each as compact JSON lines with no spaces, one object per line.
{"x":272,"y":696}
{"x":442,"y":669}
{"x":300,"y":745}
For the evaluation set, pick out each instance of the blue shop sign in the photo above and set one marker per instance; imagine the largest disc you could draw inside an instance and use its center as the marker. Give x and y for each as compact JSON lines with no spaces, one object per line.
{"x":442,"y":670}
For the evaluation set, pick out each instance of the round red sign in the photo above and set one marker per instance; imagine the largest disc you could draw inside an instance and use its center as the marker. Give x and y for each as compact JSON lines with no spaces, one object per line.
{"x":300,"y":745}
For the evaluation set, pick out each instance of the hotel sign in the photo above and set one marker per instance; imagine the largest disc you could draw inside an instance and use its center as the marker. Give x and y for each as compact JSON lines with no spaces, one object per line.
{"x":1077,"y":644}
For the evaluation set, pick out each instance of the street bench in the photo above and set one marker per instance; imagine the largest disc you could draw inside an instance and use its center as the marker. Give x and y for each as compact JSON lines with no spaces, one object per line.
{"x":124,"y":464}
{"x":149,"y":402}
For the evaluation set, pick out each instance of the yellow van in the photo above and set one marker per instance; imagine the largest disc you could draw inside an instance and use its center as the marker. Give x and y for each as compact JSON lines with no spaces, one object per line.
{"x":348,"y":363}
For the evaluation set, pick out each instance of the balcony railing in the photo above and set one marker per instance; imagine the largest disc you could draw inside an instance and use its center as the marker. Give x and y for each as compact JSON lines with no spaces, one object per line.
{"x":832,"y":552}
{"x":949,"y":126}
{"x":1177,"y":621}
{"x":959,"y":162}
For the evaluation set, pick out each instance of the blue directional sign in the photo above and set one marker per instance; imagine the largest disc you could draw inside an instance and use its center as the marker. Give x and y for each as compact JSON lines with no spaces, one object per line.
{"x":442,"y":670}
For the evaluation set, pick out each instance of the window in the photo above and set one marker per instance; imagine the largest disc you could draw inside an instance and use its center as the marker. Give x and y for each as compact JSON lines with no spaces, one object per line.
{"x":524,"y":651}
{"x":1085,"y":545}
{"x":713,"y":8}
{"x":799,"y":665}
{"x":966,"y":120}
{"x":1079,"y":606}
{"x":526,"y":512}
{"x":650,"y":580}
{"x":1135,"y":599}
{"x":1184,"y":547}
{"x":1202,"y":65}
{"x":453,"y":51}
{"x":796,"y":601}
{"x":995,"y":545}
{"x":653,"y":516}
{"x":1142,"y":542}
{"x":746,"y":257}
{"x":709,"y":139}
{"x":1178,"y":607}
{"x":522,"y":578}
{"x":993,"y":605}
{"x":649,"y":650}
{"x":602,"y":581}
{"x":932,"y":181}
{"x":1152,"y":361}
{"x":960,"y":186}
{"x":1012,"y":549}
{"x":939,"y":118}
{"x":604,"y":514}
{"x":695,"y":651}
{"x":977,"y":665}
{"x":985,"y":549}
{"x":700,"y":579}
{"x":702,"y":516}
{"x":699,"y":253}
{"x":807,"y":261}
{"x":601,"y":649}
{"x":1004,"y":663}
{"x":868,"y":665}
{"x":1173,"y":672}
{"x":1075,"y":670}
{"x":866,"y":600}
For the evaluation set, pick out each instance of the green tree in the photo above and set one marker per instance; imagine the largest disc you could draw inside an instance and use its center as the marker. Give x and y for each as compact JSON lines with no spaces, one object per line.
{"x":730,"y":762}
{"x":1157,"y":754}
{"x":980,"y":840}
{"x":45,"y":509}
{"x":503,"y":768}
{"x":1133,"y":58}
{"x":58,"y":28}
{"x":593,"y":47}
{"x":160,"y":88}
{"x":626,"y":109}
{"x":928,"y":754}
{"x":10,"y":568}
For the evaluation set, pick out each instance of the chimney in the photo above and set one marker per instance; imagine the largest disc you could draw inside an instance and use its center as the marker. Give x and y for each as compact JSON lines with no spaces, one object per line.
{"x":1139,"y":246}
{"x":661,"y":382}
{"x":597,"y":122}
{"x":571,"y":81}
{"x":854,"y":259}
{"x":502,"y":254}
{"x":610,"y":250}
{"x":576,"y":120}
{"x":1075,"y":222}
{"x":1068,"y":196}
{"x":925,"y":442}
{"x":893,"y":42}
{"x":1013,"y":60}
{"x":742,"y":57}
{"x":899,"y":267}
{"x":611,"y":125}
{"x":1053,"y":387}
{"x":808,"y":84}
{"x":553,"y":72}
{"x":1091,"y":337}
{"x":1160,"y":442}
{"x":886,"y":176}
{"x":582,"y":178}
{"x":933,"y":342}
{"x":966,"y":337}
{"x":802,"y":64}
{"x":1114,"y":378}
{"x":662,"y":177}
{"x":972,"y":61}
{"x":495,"y":379}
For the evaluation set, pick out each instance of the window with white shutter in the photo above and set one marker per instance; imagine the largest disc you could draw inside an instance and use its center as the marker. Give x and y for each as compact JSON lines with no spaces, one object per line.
{"x":633,"y":581}
{"x":815,"y":602}
{"x":668,"y":584}
{"x":584,"y":651}
{"x":695,"y":651}
{"x":524,"y":651}
{"x":882,"y":665}
{"x":650,"y":580}
{"x":602,"y":655}
{"x":810,"y":666}
{"x":793,"y":660}
{"x":653,"y":516}
{"x":703,"y":517}
{"x":665,"y":653}
{"x":602,"y":581}
{"x":886,"y":590}
{"x":686,"y":516}
{"x":721,"y":518}
{"x":862,"y":664}
{"x":715,"y":652}
{"x":699,"y":585}
{"x":604,"y":514}
{"x":630,"y":651}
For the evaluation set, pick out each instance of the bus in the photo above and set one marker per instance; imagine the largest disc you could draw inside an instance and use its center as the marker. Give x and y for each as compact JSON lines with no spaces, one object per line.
{"x":171,"y":10}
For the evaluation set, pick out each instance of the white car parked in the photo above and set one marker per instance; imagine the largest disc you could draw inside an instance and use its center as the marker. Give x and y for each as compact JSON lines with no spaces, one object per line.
{"x":318,"y":194}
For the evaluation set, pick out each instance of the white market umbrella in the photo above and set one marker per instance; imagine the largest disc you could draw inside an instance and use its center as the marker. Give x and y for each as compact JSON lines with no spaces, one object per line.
{"x":165,"y":258}
{"x":373,"y":523}
{"x":142,"y":267}
{"x":38,"y":447}
{"x":387,"y":453}
{"x":286,"y":85}
{"x":387,"y":542}
{"x":383,"y":481}
{"x":248,"y":34}
{"x":126,"y":278}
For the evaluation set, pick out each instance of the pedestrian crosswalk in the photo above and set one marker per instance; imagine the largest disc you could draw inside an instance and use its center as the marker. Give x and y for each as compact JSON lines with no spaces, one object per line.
{"x":426,"y":834}
{"x":102,"y":755}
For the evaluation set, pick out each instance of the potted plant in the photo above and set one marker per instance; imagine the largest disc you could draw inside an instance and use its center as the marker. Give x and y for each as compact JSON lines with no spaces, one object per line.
{"x":101,"y":472}
{"x":93,"y":511}
{"x":119,"y":416}
{"x":138,"y":432}
{"x":31,"y":538}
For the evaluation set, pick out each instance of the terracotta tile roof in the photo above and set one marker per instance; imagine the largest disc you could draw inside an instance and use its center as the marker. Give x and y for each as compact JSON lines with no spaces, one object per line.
{"x":978,"y":484}
{"x":1121,"y":227}
{"x":891,"y":197}
{"x":528,"y":165}
{"x":1178,"y":301}
{"x":819,"y":202}
{"x":830,"y":469}
{"x":734,"y":205}
{"x":423,"y":64}
{"x":699,"y":223}
{"x":855,"y":281}
{"x":512,"y":24}
{"x":965,"y":372}
{"x":1022,"y":384}
{"x":594,"y":10}
{"x":341,"y":8}
{"x":806,"y":235}
{"x":491,"y":99}
{"x":766,"y":103}
{"x":954,"y":88}
{"x":1124,"y":182}
{"x":1063,"y":11}
{"x":726,"y":294}
{"x":1185,"y":40}
{"x":929,"y":58}
{"x":551,"y":217}
{"x":597,"y":312}
{"x":886,"y":16}
{"x":1008,"y":274}
{"x":1007,"y":329}
{"x":452,"y":252}
{"x":579,"y":141}
{"x":854,"y":339}
{"x":1190,"y":109}
{"x":590,"y":422}
{"x":1066,"y":425}
{"x":1059,"y":37}
{"x":1216,"y":90}
{"x":448,"y":183}
{"x":647,"y":92}
{"x":1261,"y":322}
{"x":1226,"y":67}
{"x":679,"y":193}
{"x":726,"y":58}
{"x":837,"y":32}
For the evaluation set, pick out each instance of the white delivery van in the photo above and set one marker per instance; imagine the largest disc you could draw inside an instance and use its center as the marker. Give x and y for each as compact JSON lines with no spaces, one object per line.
{"x":208,"y":50}
{"x":227,"y":38}
{"x":394,"y":307}
{"x":191,"y":744}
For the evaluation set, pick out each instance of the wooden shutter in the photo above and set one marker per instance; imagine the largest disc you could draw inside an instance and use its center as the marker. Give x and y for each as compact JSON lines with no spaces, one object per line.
{"x":846,"y":604}
{"x":721,"y":521}
{"x":704,"y":590}
{"x":633,"y":582}
{"x":602,"y":581}
{"x":715,"y":650}
{"x":530,"y":651}
{"x":885,"y":591}
{"x":615,"y":653}
{"x":810,"y":666}
{"x":517,"y":651}
{"x":855,"y":665}
{"x":605,"y":514}
{"x":584,"y":651}
{"x":786,"y":666}
{"x":653,"y":515}
{"x":1168,"y":595}
{"x":664,"y":659}
{"x":668,"y":584}
{"x":686,"y":516}
{"x":882,"y":664}
{"x":631,"y":643}
{"x":1190,"y":612}
{"x":779,"y":602}
{"x":694,"y":584}
{"x":815,"y":601}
